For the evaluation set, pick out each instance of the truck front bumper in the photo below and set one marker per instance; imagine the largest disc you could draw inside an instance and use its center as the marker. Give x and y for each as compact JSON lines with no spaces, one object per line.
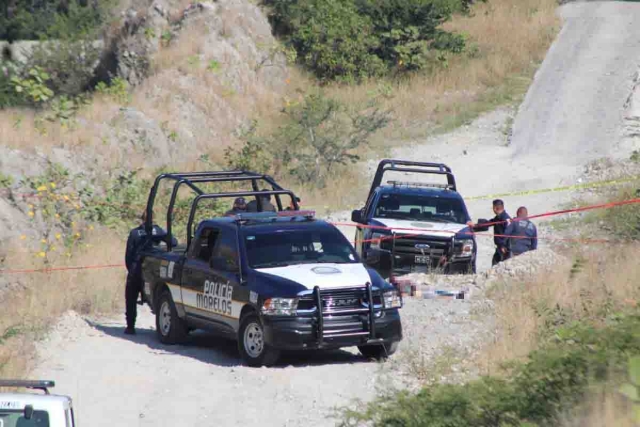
{"x":301,"y":333}
{"x":381,"y":261}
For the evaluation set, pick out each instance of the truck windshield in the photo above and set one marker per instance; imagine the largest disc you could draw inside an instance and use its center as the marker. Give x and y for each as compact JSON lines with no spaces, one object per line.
{"x":290,"y":247}
{"x":420,"y":208}
{"x":17,"y":419}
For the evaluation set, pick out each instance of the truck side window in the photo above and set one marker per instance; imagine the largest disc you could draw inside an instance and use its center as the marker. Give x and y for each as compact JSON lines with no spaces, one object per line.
{"x":203,"y":246}
{"x":227,"y":248}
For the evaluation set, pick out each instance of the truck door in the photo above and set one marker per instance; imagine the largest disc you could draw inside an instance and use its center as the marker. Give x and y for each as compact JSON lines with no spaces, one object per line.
{"x":196,"y":270}
{"x":224,"y":280}
{"x":210,"y":279}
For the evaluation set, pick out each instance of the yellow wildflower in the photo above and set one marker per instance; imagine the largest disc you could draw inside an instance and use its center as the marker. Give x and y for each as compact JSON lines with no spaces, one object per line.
{"x":58,"y":236}
{"x":42,"y":254}
{"x":31,"y":214}
{"x":30,"y":206}
{"x":52,"y":184}
{"x":43,"y":241}
{"x":77,"y":234}
{"x":91,"y":227}
{"x":66,"y":198}
{"x":42,"y":188}
{"x":58,"y":216}
{"x":53,"y":248}
{"x":23,"y":237}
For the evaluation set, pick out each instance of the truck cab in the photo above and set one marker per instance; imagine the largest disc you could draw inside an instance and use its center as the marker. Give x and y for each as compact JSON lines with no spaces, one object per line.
{"x":414,"y":226}
{"x":273,"y":281}
{"x":20,"y":409}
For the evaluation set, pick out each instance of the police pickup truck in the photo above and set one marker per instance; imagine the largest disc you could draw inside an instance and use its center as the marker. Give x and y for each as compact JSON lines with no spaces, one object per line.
{"x":409,"y":227}
{"x":272,"y":281}
{"x":37,"y":410}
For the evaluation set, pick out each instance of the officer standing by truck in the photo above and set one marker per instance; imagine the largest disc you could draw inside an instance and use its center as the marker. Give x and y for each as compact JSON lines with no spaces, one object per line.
{"x":523,"y":234}
{"x":138,"y":241}
{"x":499,"y":224}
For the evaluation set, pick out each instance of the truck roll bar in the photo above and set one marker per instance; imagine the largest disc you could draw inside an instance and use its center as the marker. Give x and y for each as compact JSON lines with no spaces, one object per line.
{"x":412,"y":167}
{"x":194,"y":204}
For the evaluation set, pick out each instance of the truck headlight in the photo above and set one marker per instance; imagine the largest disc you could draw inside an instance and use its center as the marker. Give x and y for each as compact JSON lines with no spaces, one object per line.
{"x":280,"y":307}
{"x":467,"y":248}
{"x":392,"y":299}
{"x":376,"y":243}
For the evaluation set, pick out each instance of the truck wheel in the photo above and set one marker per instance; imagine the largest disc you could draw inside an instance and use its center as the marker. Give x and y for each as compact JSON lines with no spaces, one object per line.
{"x":378,"y":351}
{"x":253,"y":350}
{"x":170,"y":328}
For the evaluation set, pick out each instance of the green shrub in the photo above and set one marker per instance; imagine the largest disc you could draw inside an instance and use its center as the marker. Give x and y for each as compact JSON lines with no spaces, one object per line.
{"x":33,"y":87}
{"x":352,"y":39}
{"x":71,"y":64}
{"x":8,"y":95}
{"x":318,"y":135}
{"x":535,"y":392}
{"x":6,"y":181}
{"x":118,"y":90}
{"x":52,"y":19}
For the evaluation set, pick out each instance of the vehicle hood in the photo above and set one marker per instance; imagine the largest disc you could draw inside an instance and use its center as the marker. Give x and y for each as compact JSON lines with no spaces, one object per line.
{"x":325,"y":276}
{"x":440,"y":229}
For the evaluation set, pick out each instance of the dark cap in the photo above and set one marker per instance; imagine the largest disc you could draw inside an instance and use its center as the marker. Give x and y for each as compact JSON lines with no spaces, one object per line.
{"x":240,"y":201}
{"x":498,"y":202}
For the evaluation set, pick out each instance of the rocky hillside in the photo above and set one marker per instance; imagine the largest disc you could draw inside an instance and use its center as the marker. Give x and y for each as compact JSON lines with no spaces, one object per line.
{"x":196,"y":74}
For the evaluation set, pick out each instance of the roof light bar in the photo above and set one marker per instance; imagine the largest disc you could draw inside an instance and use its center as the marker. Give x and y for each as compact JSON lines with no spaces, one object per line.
{"x":43,"y":385}
{"x":305,"y":213}
{"x":419,"y":184}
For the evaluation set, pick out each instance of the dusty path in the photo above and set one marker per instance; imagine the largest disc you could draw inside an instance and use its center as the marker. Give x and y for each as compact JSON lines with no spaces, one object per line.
{"x":574,"y":104}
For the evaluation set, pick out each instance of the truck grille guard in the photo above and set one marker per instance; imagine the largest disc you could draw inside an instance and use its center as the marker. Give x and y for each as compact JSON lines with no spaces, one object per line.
{"x":366,"y":305}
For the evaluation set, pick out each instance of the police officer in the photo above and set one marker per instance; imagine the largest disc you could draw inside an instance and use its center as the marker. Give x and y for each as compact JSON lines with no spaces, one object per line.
{"x":239,"y":206}
{"x":291,"y":206}
{"x":138,"y":241}
{"x":252,"y":206}
{"x":499,"y":224}
{"x":524,"y":232}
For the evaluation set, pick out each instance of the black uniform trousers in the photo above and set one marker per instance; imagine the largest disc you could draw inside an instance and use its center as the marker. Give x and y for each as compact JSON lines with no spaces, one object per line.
{"x":133,"y":288}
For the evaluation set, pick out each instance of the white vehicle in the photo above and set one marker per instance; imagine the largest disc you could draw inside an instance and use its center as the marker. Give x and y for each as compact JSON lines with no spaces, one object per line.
{"x":34,"y":410}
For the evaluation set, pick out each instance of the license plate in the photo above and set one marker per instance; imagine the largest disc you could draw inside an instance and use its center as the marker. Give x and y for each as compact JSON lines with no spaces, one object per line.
{"x":422,"y":259}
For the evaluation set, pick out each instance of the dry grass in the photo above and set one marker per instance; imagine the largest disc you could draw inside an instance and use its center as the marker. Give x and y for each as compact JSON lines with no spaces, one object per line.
{"x":508,"y":38}
{"x":34,"y":301}
{"x":594,"y":284}
{"x":605,"y":407}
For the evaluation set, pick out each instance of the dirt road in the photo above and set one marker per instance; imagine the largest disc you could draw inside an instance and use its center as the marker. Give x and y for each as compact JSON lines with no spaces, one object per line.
{"x":571,"y":116}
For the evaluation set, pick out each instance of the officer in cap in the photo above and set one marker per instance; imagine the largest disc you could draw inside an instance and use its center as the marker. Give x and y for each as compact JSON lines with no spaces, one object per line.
{"x":499,"y":224}
{"x":239,"y":206}
{"x":138,"y":241}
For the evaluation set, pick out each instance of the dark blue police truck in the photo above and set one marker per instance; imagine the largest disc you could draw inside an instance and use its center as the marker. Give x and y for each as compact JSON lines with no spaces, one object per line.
{"x":415,"y":226}
{"x":273,"y":281}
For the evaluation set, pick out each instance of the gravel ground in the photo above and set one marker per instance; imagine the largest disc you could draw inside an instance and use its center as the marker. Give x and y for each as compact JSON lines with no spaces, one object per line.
{"x":134,"y":381}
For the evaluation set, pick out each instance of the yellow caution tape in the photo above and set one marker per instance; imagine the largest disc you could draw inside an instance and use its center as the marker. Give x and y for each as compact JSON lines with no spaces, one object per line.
{"x":566,"y":188}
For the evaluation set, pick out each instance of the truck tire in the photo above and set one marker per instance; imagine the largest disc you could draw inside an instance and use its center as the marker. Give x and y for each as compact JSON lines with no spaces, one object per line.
{"x":253,"y":350}
{"x":170,"y":328}
{"x":378,"y":351}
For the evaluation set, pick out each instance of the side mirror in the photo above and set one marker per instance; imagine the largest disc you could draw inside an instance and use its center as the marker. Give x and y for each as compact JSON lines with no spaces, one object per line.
{"x":356,"y":216}
{"x":28,"y":412}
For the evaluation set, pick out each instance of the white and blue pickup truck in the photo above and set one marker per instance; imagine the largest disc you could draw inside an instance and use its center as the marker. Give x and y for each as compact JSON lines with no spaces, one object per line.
{"x":273,"y":281}
{"x":37,"y":410}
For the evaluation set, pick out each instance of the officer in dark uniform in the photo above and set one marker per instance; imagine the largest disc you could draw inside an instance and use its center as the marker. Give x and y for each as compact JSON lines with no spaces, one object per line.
{"x":239,"y":206}
{"x":499,"y":224}
{"x":138,"y":241}
{"x":252,"y":206}
{"x":524,"y":232}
